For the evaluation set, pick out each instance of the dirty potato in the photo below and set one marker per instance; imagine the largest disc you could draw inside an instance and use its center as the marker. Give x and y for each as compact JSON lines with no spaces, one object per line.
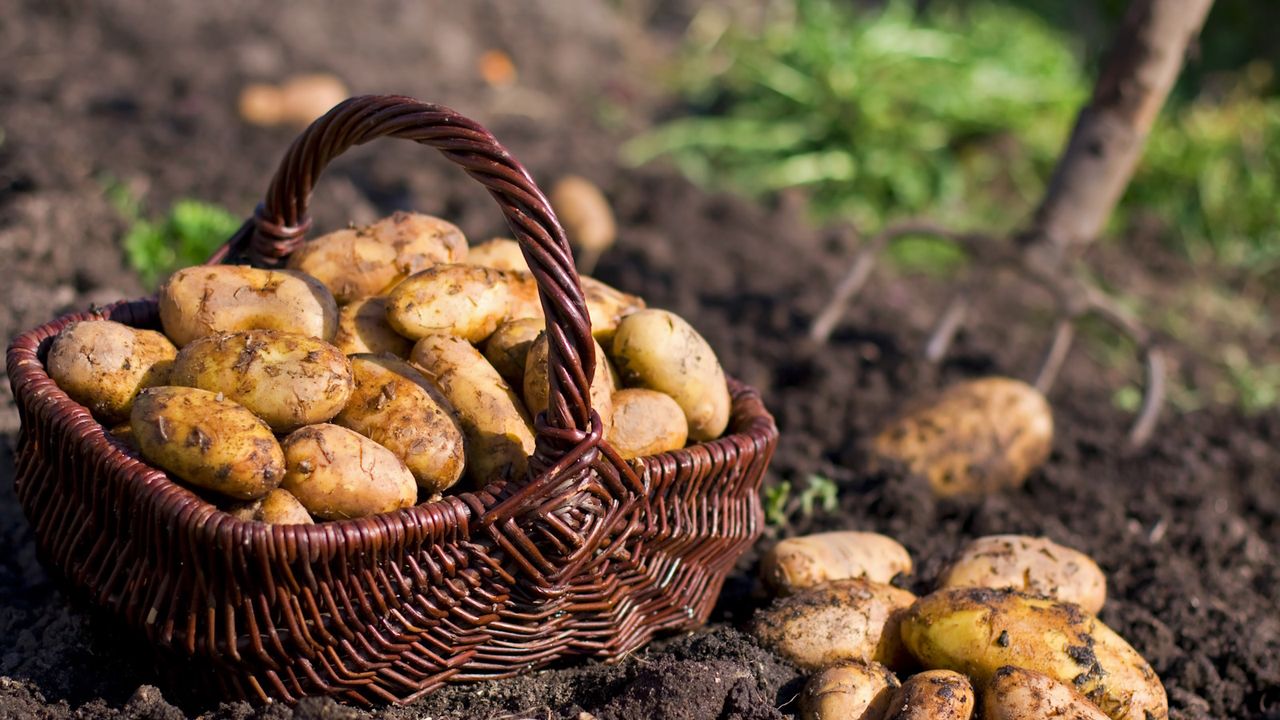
{"x":508,"y":347}
{"x":287,"y":380}
{"x":398,"y":408}
{"x":363,"y":328}
{"x":465,"y":301}
{"x":842,"y":621}
{"x":207,"y":440}
{"x":606,"y":306}
{"x":848,"y":691}
{"x":537,"y":386}
{"x":1037,"y":566}
{"x":932,"y":695}
{"x":658,"y":350}
{"x":278,"y":507}
{"x":646,"y":422}
{"x":979,"y":436}
{"x":499,"y":254}
{"x":976,"y":631}
{"x":803,"y":562}
{"x":208,"y":299}
{"x":1018,"y":694}
{"x":337,"y":474}
{"x":102,"y":365}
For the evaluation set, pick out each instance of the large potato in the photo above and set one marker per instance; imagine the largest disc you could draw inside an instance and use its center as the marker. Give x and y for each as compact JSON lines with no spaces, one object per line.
{"x":499,"y":254}
{"x":606,"y":306}
{"x":499,"y":437}
{"x":804,"y":562}
{"x":979,"y":436}
{"x":1037,"y":566}
{"x":508,"y":347}
{"x":363,"y":328}
{"x":398,"y":408}
{"x":207,"y":440}
{"x":842,"y":621}
{"x":208,"y":299}
{"x":537,"y":384}
{"x":658,"y":350}
{"x":465,"y":301}
{"x":976,"y":631}
{"x":932,"y":695}
{"x":287,"y":380}
{"x":278,"y":507}
{"x":337,"y":473}
{"x":1018,"y":694}
{"x":646,"y":422}
{"x":103,"y":364}
{"x":359,"y":262}
{"x":848,"y":691}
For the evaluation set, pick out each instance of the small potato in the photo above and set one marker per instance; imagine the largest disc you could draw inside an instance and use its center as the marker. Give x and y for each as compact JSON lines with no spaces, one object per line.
{"x":537,"y":387}
{"x":465,"y":301}
{"x":363,"y":328}
{"x":287,"y":380}
{"x":977,"y":631}
{"x":804,"y":562}
{"x":103,"y":364}
{"x":646,"y":422}
{"x":606,"y":306}
{"x":658,"y":350}
{"x":337,"y":474}
{"x":278,"y":507}
{"x":207,"y":440}
{"x":932,"y":695}
{"x":499,"y":437}
{"x":208,"y":299}
{"x":587,"y":218}
{"x":1037,"y":566}
{"x":398,"y":408}
{"x":508,"y":347}
{"x":359,"y":262}
{"x":842,"y":621}
{"x":848,"y":691}
{"x":979,"y":436}
{"x":1018,"y":694}
{"x":499,"y":254}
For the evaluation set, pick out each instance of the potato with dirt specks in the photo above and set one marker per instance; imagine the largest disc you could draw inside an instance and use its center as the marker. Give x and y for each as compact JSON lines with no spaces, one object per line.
{"x":278,"y":507}
{"x":103,"y":364}
{"x":338,"y":474}
{"x":607,"y":306}
{"x":1019,"y":694}
{"x":208,"y":299}
{"x":499,"y":254}
{"x":932,"y":695}
{"x":804,"y":562}
{"x":537,"y":384}
{"x":465,"y":301}
{"x":208,"y":441}
{"x":646,"y":422}
{"x":507,"y":348}
{"x":287,"y":380}
{"x":1037,"y":566}
{"x":394,"y":405}
{"x":363,"y":328}
{"x":848,"y":691}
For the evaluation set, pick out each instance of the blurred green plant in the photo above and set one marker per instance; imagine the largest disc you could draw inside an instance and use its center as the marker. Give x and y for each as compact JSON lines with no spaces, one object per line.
{"x":818,"y":492}
{"x":186,"y":235}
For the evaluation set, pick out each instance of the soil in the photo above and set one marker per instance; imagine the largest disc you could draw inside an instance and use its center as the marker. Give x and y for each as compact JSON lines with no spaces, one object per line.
{"x":1187,"y":529}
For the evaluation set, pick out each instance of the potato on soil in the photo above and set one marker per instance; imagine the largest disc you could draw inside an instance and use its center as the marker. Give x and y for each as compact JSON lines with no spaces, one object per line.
{"x":658,"y":350}
{"x":977,"y":631}
{"x":803,"y":562}
{"x":278,"y":507}
{"x":287,"y":380}
{"x":465,"y":301}
{"x":646,"y":422}
{"x":848,"y":691}
{"x":102,"y":365}
{"x":606,"y":306}
{"x":1037,"y":566}
{"x":978,"y":436}
{"x":208,"y":441}
{"x":499,"y":437}
{"x":842,"y":621}
{"x":537,"y":387}
{"x":359,"y":262}
{"x":208,"y":299}
{"x":363,"y":328}
{"x":932,"y":695}
{"x":508,"y":347}
{"x":585,"y":213}
{"x":394,"y":405}
{"x":337,"y":473}
{"x":499,"y":254}
{"x":1019,"y":694}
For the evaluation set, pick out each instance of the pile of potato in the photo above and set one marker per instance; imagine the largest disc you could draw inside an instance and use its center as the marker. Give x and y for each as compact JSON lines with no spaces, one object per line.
{"x":1009,"y":633}
{"x":382,"y":366}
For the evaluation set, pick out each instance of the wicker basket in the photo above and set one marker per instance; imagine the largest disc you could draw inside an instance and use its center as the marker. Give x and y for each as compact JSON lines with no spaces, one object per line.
{"x":588,"y":556}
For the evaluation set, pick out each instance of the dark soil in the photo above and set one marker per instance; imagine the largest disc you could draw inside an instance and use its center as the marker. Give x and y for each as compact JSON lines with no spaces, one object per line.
{"x":1188,"y":530}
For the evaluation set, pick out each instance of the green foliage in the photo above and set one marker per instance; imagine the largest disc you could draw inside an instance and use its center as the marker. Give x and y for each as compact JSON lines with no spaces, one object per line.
{"x":818,"y":492}
{"x":187,"y":235}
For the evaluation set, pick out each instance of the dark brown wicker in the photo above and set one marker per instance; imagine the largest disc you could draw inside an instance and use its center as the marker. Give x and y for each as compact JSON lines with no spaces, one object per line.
{"x":589,"y":556}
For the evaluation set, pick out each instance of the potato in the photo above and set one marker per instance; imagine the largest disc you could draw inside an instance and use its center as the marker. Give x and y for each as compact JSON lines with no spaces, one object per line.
{"x":932,"y":695}
{"x":207,"y":440}
{"x":976,"y":631}
{"x":606,"y":306}
{"x":337,"y":473}
{"x":848,"y":691}
{"x":537,"y":387}
{"x":587,"y":218}
{"x":363,"y":328}
{"x":646,"y":422}
{"x":803,"y":562}
{"x":845,"y":620}
{"x":1018,"y":694}
{"x":208,"y":299}
{"x":278,"y":507}
{"x":398,"y":408}
{"x":359,"y":262}
{"x":499,"y":254}
{"x":508,"y":347}
{"x":658,"y":350}
{"x":1037,"y":566}
{"x":102,"y":365}
{"x":287,"y":380}
{"x":979,"y":436}
{"x":465,"y":301}
{"x":499,"y":437}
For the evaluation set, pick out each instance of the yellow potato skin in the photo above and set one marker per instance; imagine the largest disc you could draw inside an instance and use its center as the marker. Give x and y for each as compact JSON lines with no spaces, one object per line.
{"x":585,"y":213}
{"x":508,"y":347}
{"x":804,"y":562}
{"x":102,"y":365}
{"x":1036,"y":566}
{"x":932,"y":695}
{"x":396,"y":407}
{"x":848,"y":691}
{"x":499,"y":254}
{"x":537,"y":385}
{"x":207,"y":441}
{"x":976,"y":631}
{"x":646,"y":422}
{"x":278,"y":507}
{"x":658,"y":350}
{"x":465,"y":301}
{"x":287,"y":380}
{"x":337,"y":474}
{"x":208,"y":299}
{"x":499,"y":436}
{"x":363,"y":328}
{"x":1019,"y":694}
{"x":607,"y":306}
